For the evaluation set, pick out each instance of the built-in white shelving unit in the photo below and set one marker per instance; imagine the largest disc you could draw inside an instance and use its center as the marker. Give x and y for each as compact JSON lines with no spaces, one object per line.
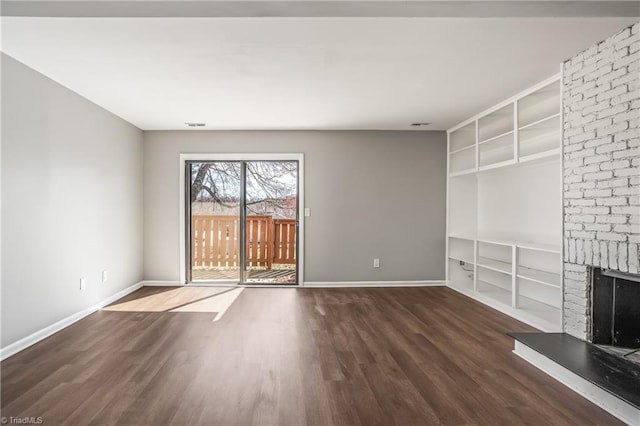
{"x":504,"y":206}
{"x":462,"y":150}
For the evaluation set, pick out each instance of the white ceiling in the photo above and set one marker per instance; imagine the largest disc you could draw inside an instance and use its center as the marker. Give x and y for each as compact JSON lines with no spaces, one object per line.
{"x":299,"y":73}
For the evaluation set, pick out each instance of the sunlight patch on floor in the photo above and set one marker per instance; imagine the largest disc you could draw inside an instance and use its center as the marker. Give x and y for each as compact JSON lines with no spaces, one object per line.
{"x":185,"y":299}
{"x":218,"y":303}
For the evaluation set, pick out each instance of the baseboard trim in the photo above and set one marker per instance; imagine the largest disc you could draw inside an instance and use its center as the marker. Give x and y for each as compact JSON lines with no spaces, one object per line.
{"x":605,"y":400}
{"x":39,"y":335}
{"x":318,"y":284}
{"x":332,"y":284}
{"x":153,"y":283}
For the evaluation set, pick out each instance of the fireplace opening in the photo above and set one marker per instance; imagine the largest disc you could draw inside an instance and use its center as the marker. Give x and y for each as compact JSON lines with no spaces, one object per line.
{"x":615,"y":309}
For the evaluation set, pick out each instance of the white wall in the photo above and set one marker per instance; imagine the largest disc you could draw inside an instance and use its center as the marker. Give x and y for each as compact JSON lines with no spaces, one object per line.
{"x":71,"y":202}
{"x":521,"y":203}
{"x":371,"y":194}
{"x":601,"y":167}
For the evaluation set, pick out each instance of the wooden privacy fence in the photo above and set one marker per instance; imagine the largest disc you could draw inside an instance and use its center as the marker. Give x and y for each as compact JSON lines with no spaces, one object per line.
{"x":215,"y":241}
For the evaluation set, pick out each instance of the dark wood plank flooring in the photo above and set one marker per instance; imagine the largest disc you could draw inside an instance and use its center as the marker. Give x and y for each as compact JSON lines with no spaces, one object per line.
{"x":378,"y":356}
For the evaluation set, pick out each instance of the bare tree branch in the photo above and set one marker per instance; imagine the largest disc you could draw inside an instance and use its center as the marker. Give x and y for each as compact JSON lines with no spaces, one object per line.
{"x":271,"y":185}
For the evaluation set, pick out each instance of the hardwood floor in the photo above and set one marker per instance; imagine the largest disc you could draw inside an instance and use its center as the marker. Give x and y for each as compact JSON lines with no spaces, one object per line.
{"x":282,"y":356}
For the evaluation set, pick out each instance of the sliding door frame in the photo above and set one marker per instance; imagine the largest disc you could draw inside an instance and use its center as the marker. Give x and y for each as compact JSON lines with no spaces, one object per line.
{"x":205,"y":157}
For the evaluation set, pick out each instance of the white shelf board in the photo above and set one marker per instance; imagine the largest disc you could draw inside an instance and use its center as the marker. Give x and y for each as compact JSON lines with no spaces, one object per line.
{"x":541,"y":121}
{"x":463,"y":237}
{"x":540,"y":155}
{"x":494,"y":265}
{"x":550,"y":134}
{"x":497,"y":293}
{"x":497,"y":165}
{"x":470,"y":123}
{"x":498,"y":241}
{"x":545,"y":318}
{"x":497,"y":145}
{"x":540,"y":310}
{"x":524,"y":303}
{"x":460,"y":259}
{"x":552,"y":153}
{"x":550,"y":248}
{"x":528,"y":245}
{"x":455,"y":151}
{"x":530,"y":311}
{"x":549,"y":155}
{"x":542,"y":277}
{"x":493,"y":138}
{"x":542,"y":87}
{"x":463,"y":172}
{"x":539,"y":315}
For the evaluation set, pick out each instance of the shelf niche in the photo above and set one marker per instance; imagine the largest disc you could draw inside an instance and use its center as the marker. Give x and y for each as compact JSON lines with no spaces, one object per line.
{"x":521,"y":204}
{"x":504,"y":215}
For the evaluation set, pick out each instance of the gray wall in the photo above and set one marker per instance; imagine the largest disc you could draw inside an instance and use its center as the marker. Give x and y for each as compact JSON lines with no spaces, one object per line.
{"x":71,"y":202}
{"x":371,"y":194}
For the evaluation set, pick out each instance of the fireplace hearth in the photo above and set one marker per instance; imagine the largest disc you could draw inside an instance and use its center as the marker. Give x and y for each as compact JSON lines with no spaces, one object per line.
{"x":604,"y":369}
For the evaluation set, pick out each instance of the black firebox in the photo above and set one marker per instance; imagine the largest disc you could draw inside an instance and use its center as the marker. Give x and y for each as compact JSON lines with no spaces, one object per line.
{"x":615,"y":308}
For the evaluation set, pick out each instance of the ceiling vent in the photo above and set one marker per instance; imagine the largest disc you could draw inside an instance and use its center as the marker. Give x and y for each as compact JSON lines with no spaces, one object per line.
{"x":195,"y":124}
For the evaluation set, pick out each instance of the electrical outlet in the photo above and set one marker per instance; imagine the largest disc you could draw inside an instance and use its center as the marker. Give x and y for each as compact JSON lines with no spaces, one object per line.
{"x":376,"y":263}
{"x":105,"y":276}
{"x":83,"y":283}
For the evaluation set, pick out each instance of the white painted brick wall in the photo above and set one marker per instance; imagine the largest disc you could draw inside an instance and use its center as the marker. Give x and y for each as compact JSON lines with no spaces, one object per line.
{"x":576,"y":301}
{"x":601,"y":168}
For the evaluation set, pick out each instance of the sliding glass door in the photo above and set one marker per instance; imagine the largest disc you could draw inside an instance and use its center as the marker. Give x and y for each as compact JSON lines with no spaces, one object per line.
{"x":214,"y":206}
{"x":271,"y":218}
{"x":242,"y":222}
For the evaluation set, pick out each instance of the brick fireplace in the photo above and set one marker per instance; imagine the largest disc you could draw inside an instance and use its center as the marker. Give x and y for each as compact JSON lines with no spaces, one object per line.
{"x":601,"y":167}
